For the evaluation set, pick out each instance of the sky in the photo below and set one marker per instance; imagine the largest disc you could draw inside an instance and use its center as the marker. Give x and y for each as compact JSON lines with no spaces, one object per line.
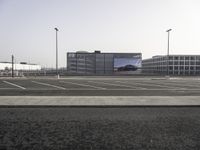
{"x":27,"y":28}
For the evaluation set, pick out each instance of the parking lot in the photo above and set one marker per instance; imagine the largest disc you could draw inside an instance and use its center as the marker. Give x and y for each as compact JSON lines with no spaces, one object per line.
{"x":100,"y":86}
{"x":100,"y":113}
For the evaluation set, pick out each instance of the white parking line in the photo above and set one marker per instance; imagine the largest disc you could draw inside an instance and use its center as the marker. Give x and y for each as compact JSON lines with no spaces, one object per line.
{"x":180,"y":84}
{"x":191,"y":84}
{"x":21,"y":87}
{"x":121,"y":85}
{"x":41,"y":83}
{"x":128,"y":89}
{"x":127,"y":82}
{"x":87,"y":85}
{"x":158,"y":85}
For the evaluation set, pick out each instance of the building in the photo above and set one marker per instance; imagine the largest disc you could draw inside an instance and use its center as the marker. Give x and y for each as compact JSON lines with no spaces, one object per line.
{"x":20,"y":66}
{"x":19,"y":69}
{"x":177,"y":65}
{"x":98,"y":63}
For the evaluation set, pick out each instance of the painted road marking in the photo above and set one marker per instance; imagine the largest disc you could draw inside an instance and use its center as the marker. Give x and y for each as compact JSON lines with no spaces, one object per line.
{"x":177,"y":84}
{"x":46,"y":84}
{"x":21,"y":87}
{"x":114,"y":89}
{"x":128,"y":89}
{"x":158,"y":85}
{"x":80,"y":84}
{"x":191,"y":84}
{"x":131,"y":84}
{"x":121,"y":85}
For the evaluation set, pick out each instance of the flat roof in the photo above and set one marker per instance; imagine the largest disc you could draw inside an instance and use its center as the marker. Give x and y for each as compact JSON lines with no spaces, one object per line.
{"x":100,"y":53}
{"x":160,"y":56}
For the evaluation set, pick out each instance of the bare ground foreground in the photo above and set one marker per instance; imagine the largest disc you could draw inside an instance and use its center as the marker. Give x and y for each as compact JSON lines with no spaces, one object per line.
{"x":100,"y":128}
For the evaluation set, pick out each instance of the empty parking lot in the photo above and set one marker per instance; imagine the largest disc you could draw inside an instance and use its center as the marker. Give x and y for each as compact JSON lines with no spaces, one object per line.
{"x":172,"y":124}
{"x":106,"y":86}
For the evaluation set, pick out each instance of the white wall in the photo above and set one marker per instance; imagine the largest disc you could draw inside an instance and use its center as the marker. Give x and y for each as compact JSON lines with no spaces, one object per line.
{"x":19,"y":66}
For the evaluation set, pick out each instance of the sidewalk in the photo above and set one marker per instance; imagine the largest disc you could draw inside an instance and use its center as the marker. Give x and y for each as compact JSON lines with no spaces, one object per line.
{"x":100,"y":100}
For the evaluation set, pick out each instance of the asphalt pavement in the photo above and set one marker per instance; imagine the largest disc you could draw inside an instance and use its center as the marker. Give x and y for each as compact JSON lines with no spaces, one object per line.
{"x":107,"y":128}
{"x":100,"y":87}
{"x":110,"y":113}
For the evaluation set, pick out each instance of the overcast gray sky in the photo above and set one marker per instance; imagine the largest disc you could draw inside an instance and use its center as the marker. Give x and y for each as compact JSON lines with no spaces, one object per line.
{"x":27,"y":28}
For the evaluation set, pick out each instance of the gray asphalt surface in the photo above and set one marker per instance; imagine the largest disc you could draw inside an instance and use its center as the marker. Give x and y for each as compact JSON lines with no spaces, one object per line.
{"x":100,"y":127}
{"x":107,"y":128}
{"x":100,"y":87}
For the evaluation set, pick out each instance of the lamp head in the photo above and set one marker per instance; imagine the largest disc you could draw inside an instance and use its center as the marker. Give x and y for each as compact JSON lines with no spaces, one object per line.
{"x":169,"y":30}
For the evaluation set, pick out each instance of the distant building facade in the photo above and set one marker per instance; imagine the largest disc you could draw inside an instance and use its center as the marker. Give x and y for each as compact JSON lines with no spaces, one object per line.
{"x":98,"y":63}
{"x":20,"y":66}
{"x":176,"y":65}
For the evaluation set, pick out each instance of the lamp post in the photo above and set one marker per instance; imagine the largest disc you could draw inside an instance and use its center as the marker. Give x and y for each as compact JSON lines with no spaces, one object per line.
{"x":12,"y":66}
{"x":168,"y":31}
{"x":57,"y":52}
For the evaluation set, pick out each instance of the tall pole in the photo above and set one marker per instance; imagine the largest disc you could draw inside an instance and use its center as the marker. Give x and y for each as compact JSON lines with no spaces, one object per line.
{"x":12,"y":66}
{"x":168,"y":31}
{"x":57,"y":52}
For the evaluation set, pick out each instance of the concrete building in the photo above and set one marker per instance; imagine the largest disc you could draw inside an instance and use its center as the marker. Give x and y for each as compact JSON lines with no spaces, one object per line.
{"x":177,"y":65}
{"x":98,"y":63}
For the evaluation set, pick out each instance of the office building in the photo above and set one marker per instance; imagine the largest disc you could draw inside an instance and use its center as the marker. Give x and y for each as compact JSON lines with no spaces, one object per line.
{"x":98,"y":63}
{"x":175,"y":65}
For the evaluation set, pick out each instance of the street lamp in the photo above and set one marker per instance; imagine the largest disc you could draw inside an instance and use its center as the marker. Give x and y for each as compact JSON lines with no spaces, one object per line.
{"x":12,"y":66}
{"x":168,"y":31}
{"x":57,"y":52}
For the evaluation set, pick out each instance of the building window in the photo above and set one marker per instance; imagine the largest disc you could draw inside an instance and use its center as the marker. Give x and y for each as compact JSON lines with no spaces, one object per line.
{"x":176,"y":58}
{"x":192,"y":63}
{"x":186,"y":58}
{"x":176,"y":63}
{"x":187,"y":63}
{"x":176,"y":73}
{"x":192,"y":73}
{"x":182,"y":63}
{"x":71,"y":55}
{"x":198,"y":68}
{"x":198,"y":58}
